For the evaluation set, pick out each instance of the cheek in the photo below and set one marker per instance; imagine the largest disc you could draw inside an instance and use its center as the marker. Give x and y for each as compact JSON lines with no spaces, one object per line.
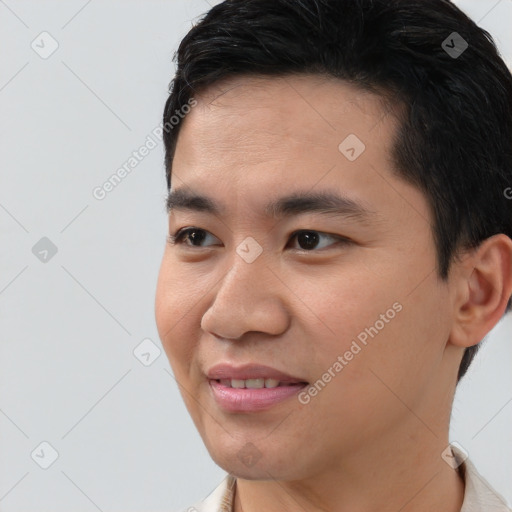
{"x":363,"y":319}
{"x":386,"y":336}
{"x":175,"y":307}
{"x":349,"y":303}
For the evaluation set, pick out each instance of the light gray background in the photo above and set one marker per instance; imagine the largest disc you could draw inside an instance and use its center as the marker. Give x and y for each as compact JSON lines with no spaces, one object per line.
{"x":69,"y":326}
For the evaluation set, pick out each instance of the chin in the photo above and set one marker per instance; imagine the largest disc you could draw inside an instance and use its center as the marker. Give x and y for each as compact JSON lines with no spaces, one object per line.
{"x":249,"y":463}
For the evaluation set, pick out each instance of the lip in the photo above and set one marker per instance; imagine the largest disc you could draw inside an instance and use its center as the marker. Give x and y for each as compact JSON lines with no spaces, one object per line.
{"x":248,"y":399}
{"x":251,"y":400}
{"x":250,"y":371}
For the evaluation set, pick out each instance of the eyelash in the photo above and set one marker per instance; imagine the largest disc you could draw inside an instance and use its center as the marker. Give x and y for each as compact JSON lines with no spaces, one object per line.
{"x":178,"y":238}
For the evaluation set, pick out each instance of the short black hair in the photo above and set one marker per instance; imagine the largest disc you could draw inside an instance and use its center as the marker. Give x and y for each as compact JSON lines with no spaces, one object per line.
{"x":454,"y":140}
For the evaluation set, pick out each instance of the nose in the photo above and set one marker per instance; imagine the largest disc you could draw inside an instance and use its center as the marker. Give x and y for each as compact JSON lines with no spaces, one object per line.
{"x":249,"y":298}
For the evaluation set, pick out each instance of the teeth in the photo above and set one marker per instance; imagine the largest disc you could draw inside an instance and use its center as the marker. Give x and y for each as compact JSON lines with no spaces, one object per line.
{"x":255,"y":383}
{"x":271,"y":383}
{"x":251,"y":383}
{"x":235,"y":383}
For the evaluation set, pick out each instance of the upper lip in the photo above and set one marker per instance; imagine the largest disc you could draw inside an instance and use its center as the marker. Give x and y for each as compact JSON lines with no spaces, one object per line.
{"x":249,"y":371}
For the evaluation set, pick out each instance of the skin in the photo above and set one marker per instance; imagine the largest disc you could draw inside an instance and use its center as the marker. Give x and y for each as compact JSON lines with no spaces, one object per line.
{"x":372,"y":438}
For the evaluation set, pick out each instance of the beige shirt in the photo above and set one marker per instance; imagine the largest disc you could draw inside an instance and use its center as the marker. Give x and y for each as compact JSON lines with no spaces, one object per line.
{"x":479,"y":496}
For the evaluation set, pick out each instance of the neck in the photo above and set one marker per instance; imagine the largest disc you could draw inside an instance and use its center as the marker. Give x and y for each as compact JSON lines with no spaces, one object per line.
{"x":406,"y":474}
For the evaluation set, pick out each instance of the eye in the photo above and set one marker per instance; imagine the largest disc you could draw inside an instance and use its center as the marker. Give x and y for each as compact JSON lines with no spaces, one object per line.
{"x":309,"y":239}
{"x":306,"y":238}
{"x":184,"y":234}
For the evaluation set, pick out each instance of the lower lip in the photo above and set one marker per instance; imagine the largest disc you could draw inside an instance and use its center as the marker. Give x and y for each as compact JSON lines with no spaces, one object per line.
{"x":249,"y":400}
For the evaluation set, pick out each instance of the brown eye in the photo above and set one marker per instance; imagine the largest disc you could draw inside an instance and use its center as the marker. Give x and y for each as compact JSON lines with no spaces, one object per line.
{"x":309,"y":240}
{"x":194,"y":235}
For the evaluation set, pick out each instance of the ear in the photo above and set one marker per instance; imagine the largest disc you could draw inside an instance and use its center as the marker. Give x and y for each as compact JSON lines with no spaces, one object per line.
{"x":483,"y":289}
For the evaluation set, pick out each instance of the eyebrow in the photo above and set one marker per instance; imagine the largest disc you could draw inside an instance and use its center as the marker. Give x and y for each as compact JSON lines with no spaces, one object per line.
{"x":322,"y":202}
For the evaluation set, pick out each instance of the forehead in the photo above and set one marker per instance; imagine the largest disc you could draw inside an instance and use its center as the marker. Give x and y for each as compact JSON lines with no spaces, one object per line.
{"x":313,"y":108}
{"x":300,"y":120}
{"x":251,"y":137}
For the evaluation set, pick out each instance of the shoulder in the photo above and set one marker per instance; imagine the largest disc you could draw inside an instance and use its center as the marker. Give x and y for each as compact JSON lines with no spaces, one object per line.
{"x":219,"y":500}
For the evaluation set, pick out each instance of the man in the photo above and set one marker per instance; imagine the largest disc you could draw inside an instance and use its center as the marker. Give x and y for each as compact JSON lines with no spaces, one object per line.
{"x":339,"y":244}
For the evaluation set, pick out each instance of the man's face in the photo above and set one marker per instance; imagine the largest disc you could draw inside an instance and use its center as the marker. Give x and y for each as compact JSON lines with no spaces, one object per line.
{"x":373,"y":303}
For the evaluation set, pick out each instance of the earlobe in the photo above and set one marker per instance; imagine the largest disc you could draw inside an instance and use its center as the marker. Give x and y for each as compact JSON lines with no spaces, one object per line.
{"x":486,"y":287}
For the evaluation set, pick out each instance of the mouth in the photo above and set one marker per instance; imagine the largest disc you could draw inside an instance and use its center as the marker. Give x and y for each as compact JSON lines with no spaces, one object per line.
{"x":257,"y":383}
{"x":251,"y":388}
{"x":252,"y":376}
